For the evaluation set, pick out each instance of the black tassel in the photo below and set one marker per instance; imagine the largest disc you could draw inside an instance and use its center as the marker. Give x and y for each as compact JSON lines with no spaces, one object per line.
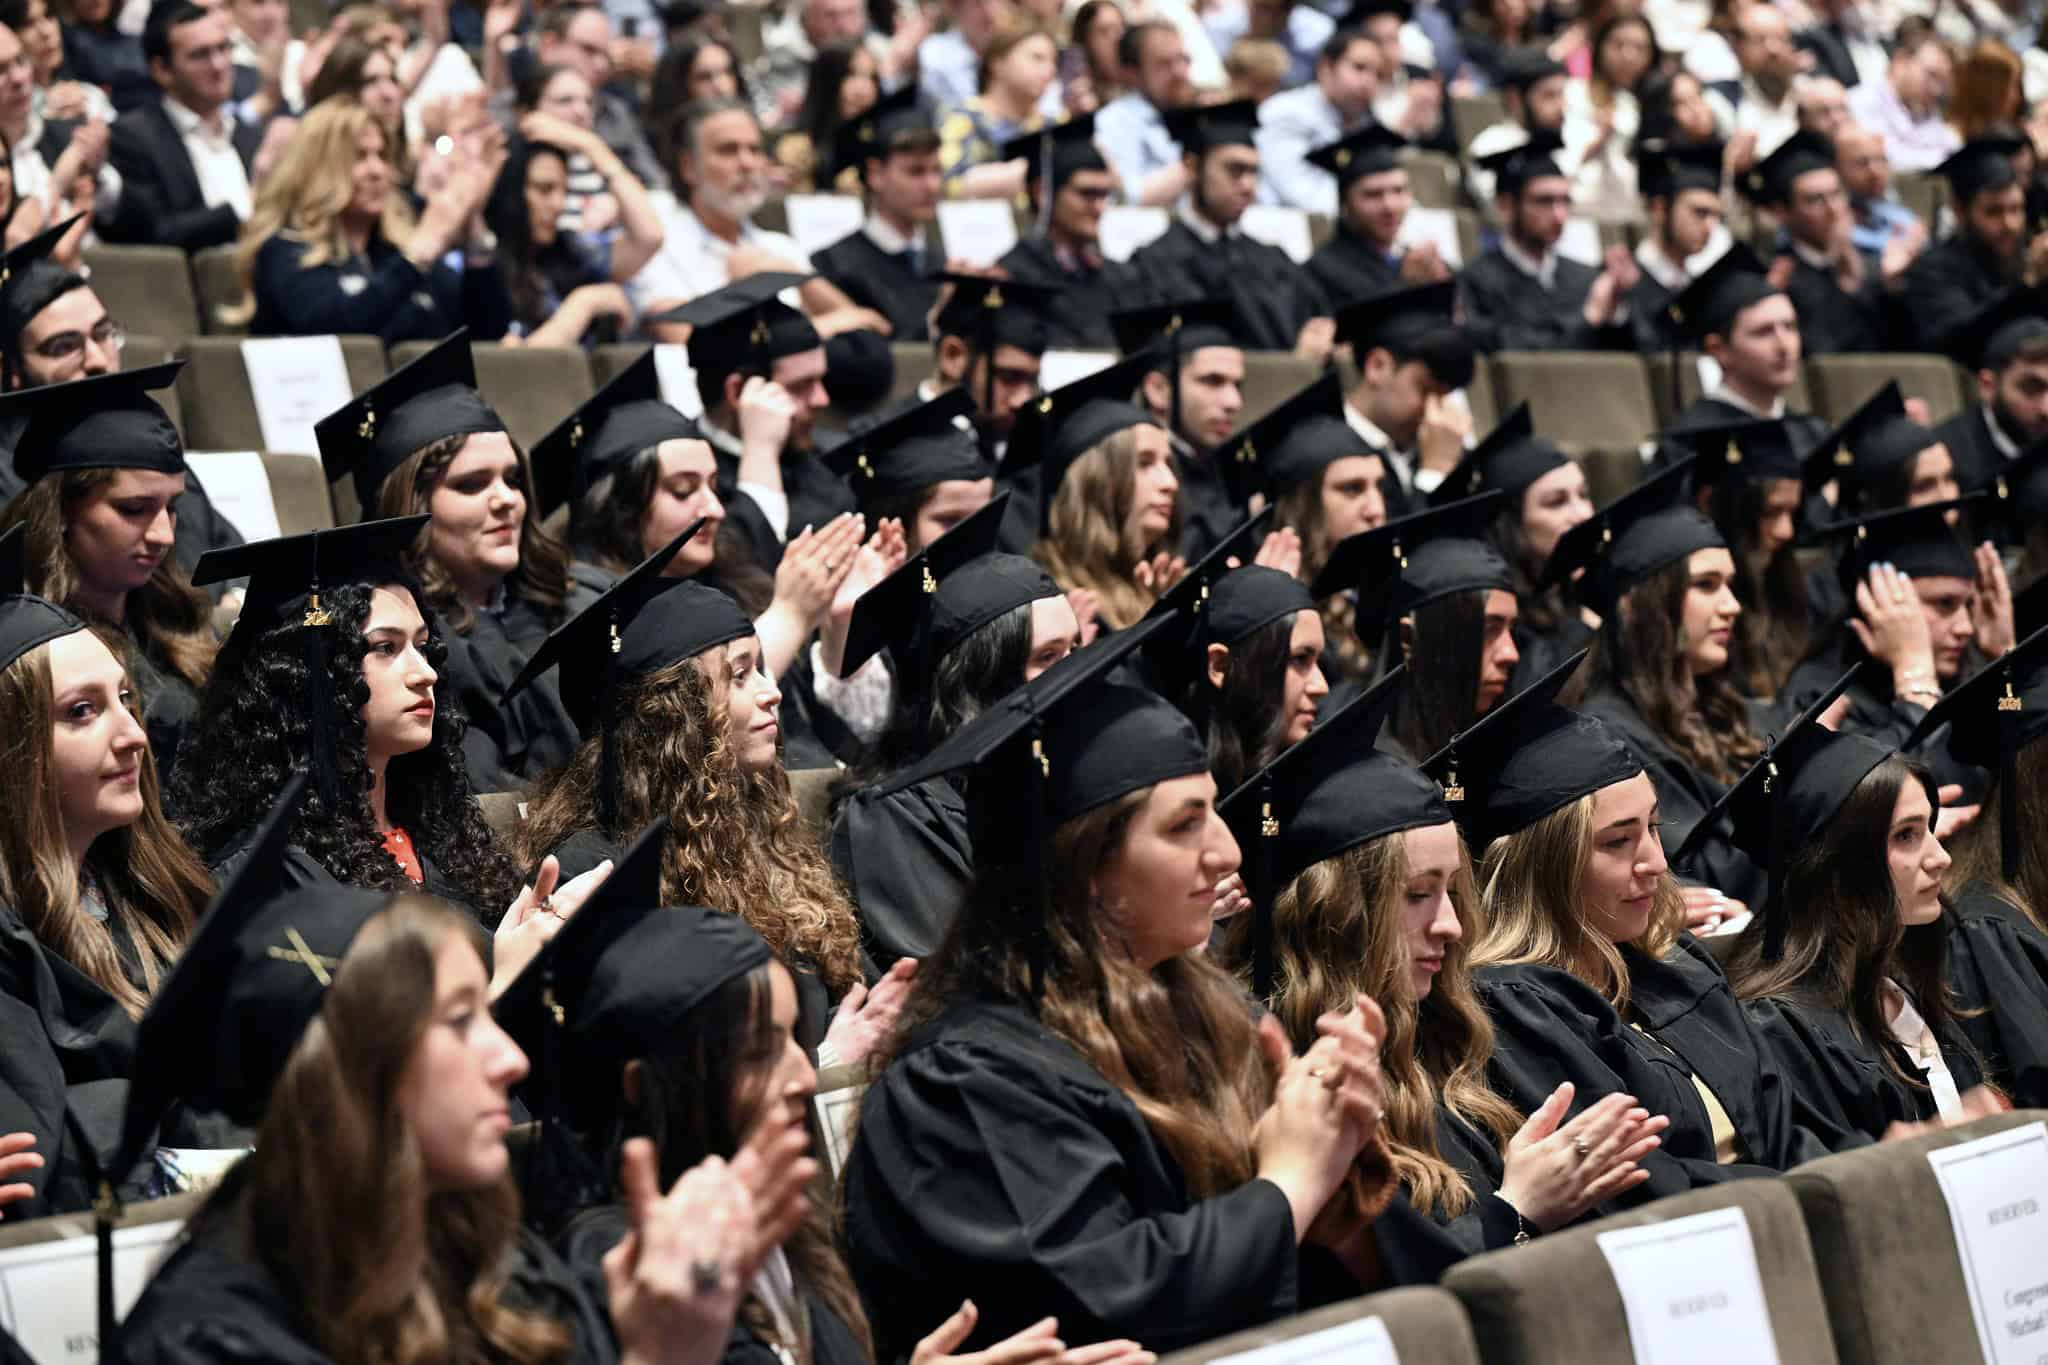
{"x":607,"y":757}
{"x":1040,"y":945}
{"x":1774,"y":909}
{"x":313,"y":645}
{"x":1262,"y":892}
{"x":2010,"y":709}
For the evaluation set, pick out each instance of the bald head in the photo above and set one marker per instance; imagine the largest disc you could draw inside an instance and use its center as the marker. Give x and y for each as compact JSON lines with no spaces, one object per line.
{"x":1859,"y":156}
{"x":1763,"y":45}
{"x":1823,"y":105}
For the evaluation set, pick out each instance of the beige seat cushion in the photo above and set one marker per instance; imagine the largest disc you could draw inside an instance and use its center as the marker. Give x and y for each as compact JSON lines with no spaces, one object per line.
{"x":1841,"y":383}
{"x":146,"y":288}
{"x":1427,"y":1326}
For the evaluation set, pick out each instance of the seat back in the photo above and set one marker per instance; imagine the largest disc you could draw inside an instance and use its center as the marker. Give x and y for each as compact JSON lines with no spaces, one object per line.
{"x":147,"y":288}
{"x":532,"y":387}
{"x":502,"y":813}
{"x":812,"y":788}
{"x":1435,"y":181}
{"x":1798,"y":398}
{"x":1271,"y":377}
{"x":1555,"y":1302}
{"x":298,"y":488}
{"x":213,"y":272}
{"x":1842,"y":382}
{"x":220,"y":408}
{"x":1587,"y":399}
{"x":1424,"y":1325}
{"x":609,"y":362}
{"x":1472,"y":114}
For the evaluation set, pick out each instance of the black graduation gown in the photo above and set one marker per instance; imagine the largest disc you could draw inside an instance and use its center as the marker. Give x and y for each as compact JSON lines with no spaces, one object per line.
{"x":507,"y":743}
{"x":1544,"y":650}
{"x":301,"y":869}
{"x":1684,"y":1001}
{"x":1685,"y":796}
{"x":1551,"y":1027}
{"x":1349,"y":268}
{"x":1506,"y":310}
{"x":991,"y":1162}
{"x":1946,"y":286}
{"x":908,"y":863}
{"x":1208,"y":512}
{"x":1274,"y":297}
{"x":1417,"y":1247}
{"x":1998,"y":964}
{"x":1968,"y":438}
{"x":1841,"y":1090}
{"x":214,"y":1303}
{"x":1833,"y":321}
{"x":1654,"y":333}
{"x":874,"y":279}
{"x":813,"y":734}
{"x":169,"y":705}
{"x":1873,"y":712}
{"x":1078,"y":318}
{"x":815,"y":493}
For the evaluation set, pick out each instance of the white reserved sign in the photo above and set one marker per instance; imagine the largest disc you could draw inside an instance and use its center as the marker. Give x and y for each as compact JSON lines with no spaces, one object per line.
{"x":238,"y":485}
{"x":819,"y":220}
{"x":1127,"y":227}
{"x":836,"y":1109}
{"x":1581,"y":242}
{"x":678,"y":380}
{"x":295,"y":381}
{"x":1691,"y":1290}
{"x":1436,"y":226}
{"x":49,"y":1292}
{"x":978,"y":231}
{"x":1277,"y":225}
{"x":1060,"y":368}
{"x":1997,"y":1193}
{"x":1364,"y":1342}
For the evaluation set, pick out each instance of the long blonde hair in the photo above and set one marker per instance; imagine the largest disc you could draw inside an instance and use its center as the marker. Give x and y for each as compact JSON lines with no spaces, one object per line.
{"x":1090,"y":544}
{"x":1533,"y":885}
{"x":1336,"y":935}
{"x":306,"y":194}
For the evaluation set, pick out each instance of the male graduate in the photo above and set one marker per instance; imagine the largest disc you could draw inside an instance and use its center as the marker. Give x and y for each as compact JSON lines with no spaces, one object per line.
{"x":1411,"y":356}
{"x":1681,"y":187}
{"x":1195,"y":387}
{"x":1749,"y":328}
{"x":1070,"y":184}
{"x":989,"y":337}
{"x":885,"y":264}
{"x":1953,"y":279}
{"x":2005,"y":348}
{"x":1206,"y":254}
{"x":1839,"y":294}
{"x":1365,"y":255}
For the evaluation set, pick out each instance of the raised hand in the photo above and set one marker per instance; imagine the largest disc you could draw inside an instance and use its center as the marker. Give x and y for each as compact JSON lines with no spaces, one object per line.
{"x":1555,"y":1174}
{"x":17,"y":1158}
{"x":866,"y":1017}
{"x":675,"y":1281}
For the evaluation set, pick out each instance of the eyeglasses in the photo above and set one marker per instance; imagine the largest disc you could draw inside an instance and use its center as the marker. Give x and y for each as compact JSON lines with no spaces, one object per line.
{"x":106,"y":332}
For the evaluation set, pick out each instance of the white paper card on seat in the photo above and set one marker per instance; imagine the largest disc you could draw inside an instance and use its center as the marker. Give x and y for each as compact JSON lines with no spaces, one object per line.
{"x":1064,"y":367}
{"x":238,"y":485}
{"x":978,"y":231}
{"x":1691,"y":1290}
{"x":1581,"y":242}
{"x":1278,"y":225}
{"x":678,"y":380}
{"x":295,"y":381}
{"x":819,"y":220}
{"x":836,"y":1109}
{"x":1997,"y":1193}
{"x":1126,"y":227}
{"x":49,"y":1292}
{"x":1436,"y":226}
{"x":1364,"y":1342}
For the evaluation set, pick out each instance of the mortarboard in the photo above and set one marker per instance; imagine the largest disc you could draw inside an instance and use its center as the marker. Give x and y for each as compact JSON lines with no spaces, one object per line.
{"x":1511,"y":458}
{"x":1415,"y":560}
{"x":1200,"y":127}
{"x":616,"y":423}
{"x":288,"y":573}
{"x":1769,"y":182}
{"x":1710,"y":304}
{"x":1873,"y":444}
{"x":1362,"y":10}
{"x":744,"y":326}
{"x":980,"y":592}
{"x":1208,"y":614}
{"x":1372,"y":150}
{"x":1534,"y":159}
{"x":106,"y":422}
{"x":30,"y":282}
{"x":373,"y":433}
{"x":897,"y":613}
{"x":987,"y":312}
{"x":1174,"y":331}
{"x":1665,"y":168}
{"x":918,"y":447}
{"x":1522,"y":67}
{"x":1058,"y":428}
{"x":2000,"y":710}
{"x":1416,"y":323}
{"x":1292,"y":444}
{"x":1995,"y":332}
{"x":1750,"y":448}
{"x":876,"y":132}
{"x":1057,"y":152}
{"x":26,"y":621}
{"x":1632,"y":537}
{"x":1917,"y":540}
{"x":1983,"y":163}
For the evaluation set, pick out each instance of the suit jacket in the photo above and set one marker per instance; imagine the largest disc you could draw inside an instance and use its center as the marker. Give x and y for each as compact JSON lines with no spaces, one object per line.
{"x":161,"y":201}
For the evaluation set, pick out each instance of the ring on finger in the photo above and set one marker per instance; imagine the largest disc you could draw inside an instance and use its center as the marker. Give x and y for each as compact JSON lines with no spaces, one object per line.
{"x":1582,"y":1147}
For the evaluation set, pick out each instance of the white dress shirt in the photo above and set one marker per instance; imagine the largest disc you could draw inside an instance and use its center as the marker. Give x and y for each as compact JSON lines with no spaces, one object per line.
{"x":694,"y":261}
{"x":223,"y":179}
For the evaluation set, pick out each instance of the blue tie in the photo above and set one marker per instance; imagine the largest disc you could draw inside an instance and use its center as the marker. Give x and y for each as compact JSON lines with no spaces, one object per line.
{"x":912,"y":257}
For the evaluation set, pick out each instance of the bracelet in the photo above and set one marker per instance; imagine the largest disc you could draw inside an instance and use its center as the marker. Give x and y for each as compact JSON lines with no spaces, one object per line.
{"x":1521,"y":1228}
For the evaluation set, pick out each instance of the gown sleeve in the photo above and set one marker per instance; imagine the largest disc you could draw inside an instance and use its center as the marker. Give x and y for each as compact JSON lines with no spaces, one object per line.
{"x":1839,"y":1091}
{"x":906,"y":858}
{"x":1998,"y":964}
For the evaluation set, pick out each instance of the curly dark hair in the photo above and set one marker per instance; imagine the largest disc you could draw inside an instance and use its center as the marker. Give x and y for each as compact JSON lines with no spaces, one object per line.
{"x":255,"y":726}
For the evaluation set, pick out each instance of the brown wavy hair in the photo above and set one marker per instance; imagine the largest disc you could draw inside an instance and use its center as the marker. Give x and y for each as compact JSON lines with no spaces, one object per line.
{"x":1337,"y":934}
{"x":381,"y":1270}
{"x":1301,"y":509}
{"x":736,"y":841}
{"x":1978,"y":849}
{"x":153,"y":886}
{"x":1533,"y":885}
{"x":1090,"y":544}
{"x":542,"y":577}
{"x":171,"y":619}
{"x":1640,"y":652}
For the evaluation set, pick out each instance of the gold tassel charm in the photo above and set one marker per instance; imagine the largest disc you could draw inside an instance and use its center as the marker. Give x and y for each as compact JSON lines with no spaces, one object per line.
{"x":316,"y":615}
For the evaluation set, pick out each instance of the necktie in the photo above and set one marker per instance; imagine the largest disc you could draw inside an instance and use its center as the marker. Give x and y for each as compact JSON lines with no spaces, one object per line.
{"x":912,"y":257}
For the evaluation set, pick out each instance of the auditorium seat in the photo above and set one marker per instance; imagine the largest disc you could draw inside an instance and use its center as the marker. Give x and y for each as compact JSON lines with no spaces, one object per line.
{"x":1797,"y":399}
{"x":1841,"y":382}
{"x":532,"y":387}
{"x":1426,"y":1324}
{"x":1271,"y":377}
{"x":213,"y":272}
{"x":1583,"y":400}
{"x":1924,"y":193}
{"x":1435,"y":181}
{"x":298,"y":488}
{"x":146,"y":288}
{"x":1471,"y":236}
{"x":1321,"y":228}
{"x":1472,"y":114}
{"x":812,"y":788}
{"x":912,"y":361}
{"x":501,"y":813}
{"x":1554,"y":1301}
{"x":147,"y":348}
{"x":1886,"y":1249}
{"x":1482,"y":399}
{"x":214,"y":390}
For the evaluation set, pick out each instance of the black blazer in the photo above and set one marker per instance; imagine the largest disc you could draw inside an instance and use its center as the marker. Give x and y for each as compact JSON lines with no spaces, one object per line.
{"x":160,"y":197}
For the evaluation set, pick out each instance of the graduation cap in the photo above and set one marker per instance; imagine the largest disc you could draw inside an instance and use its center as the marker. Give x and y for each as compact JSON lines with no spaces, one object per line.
{"x":1769,"y":182}
{"x":1511,"y":458}
{"x":1983,"y":163}
{"x":897,"y":613}
{"x":2000,"y":710}
{"x":1184,"y":325}
{"x":1665,"y":168}
{"x":373,"y":433}
{"x":287,"y":573}
{"x":1918,"y":540}
{"x":1360,"y":12}
{"x":1788,"y":798}
{"x":916,"y":448}
{"x":1056,"y":153}
{"x":1749,"y":448}
{"x":1710,"y":304}
{"x":1632,"y":537}
{"x":1415,"y":560}
{"x":1994,"y":333}
{"x":1057,"y":428}
{"x":30,"y":282}
{"x":1526,"y":758}
{"x":619,"y":421}
{"x":1416,"y":323}
{"x":1198,"y":128}
{"x":1534,"y":159}
{"x":106,"y":422}
{"x":875,"y":133}
{"x":1522,"y":67}
{"x":1325,"y":795}
{"x":1876,"y":443}
{"x":744,"y":326}
{"x":1292,"y":444}
{"x":1219,"y":601}
{"x":978,"y":593}
{"x":1372,"y":150}
{"x":26,"y":621}
{"x":987,"y":312}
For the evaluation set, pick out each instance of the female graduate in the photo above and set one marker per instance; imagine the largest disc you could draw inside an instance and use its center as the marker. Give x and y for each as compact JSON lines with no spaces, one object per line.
{"x":1661,"y":578}
{"x":389,"y":1228}
{"x":1543,"y":496}
{"x":962,"y":628}
{"x":1879,"y":460}
{"x":104,"y":466}
{"x":679,"y":721}
{"x":1256,"y":661}
{"x":1851,"y":989}
{"x":1080,"y":1119}
{"x":1371,"y":893}
{"x":334,"y":666}
{"x":424,"y":440}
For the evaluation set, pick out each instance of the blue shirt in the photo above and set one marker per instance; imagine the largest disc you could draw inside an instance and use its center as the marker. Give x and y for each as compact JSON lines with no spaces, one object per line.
{"x":1877,"y":222}
{"x":1291,"y":125}
{"x":1134,"y":138}
{"x":1308,"y":29}
{"x":948,"y":72}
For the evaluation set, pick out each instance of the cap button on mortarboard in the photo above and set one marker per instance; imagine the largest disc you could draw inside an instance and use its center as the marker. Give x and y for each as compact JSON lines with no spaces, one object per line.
{"x":867,"y":470}
{"x":1247,"y":453}
{"x":1844,"y":458}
